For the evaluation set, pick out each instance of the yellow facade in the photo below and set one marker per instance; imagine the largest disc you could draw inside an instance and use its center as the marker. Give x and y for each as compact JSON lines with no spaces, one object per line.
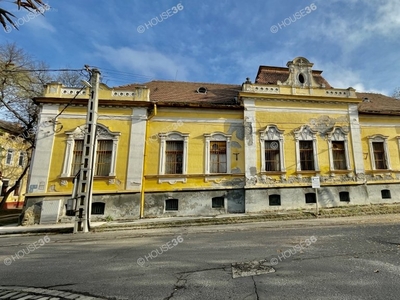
{"x":13,"y":158}
{"x":313,"y":129}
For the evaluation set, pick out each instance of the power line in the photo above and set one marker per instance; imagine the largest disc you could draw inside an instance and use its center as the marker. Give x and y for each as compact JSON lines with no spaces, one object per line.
{"x":42,"y":70}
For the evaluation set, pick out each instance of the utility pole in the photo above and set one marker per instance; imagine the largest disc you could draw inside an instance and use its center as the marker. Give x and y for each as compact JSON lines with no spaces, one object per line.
{"x":84,"y":187}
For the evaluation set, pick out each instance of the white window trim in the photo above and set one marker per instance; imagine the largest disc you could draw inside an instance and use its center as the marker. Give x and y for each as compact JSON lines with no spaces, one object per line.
{"x":380,"y":139}
{"x":217,"y":137}
{"x":338,"y":134}
{"x":173,"y":136}
{"x":9,"y":163}
{"x":272,"y":133}
{"x":305,"y":133}
{"x":103,"y":133}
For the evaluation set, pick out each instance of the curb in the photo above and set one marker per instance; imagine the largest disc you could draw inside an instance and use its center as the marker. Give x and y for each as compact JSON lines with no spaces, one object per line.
{"x":367,"y":210}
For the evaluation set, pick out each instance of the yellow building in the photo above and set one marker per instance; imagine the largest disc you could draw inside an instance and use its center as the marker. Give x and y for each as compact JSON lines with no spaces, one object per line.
{"x":170,"y":148}
{"x":13,"y":158}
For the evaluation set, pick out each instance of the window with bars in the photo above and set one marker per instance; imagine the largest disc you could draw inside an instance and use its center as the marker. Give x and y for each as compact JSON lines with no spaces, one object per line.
{"x":306,"y":155}
{"x":311,"y":198}
{"x":339,"y":155}
{"x":98,"y":208}
{"x":77,"y":157}
{"x":103,"y":157}
{"x":174,"y":157}
{"x":379,"y":155}
{"x":171,"y":204}
{"x":217,"y":202}
{"x":274,"y":200}
{"x":218,"y":162}
{"x":272,"y":156}
{"x":386,"y":194}
{"x":344,"y":196}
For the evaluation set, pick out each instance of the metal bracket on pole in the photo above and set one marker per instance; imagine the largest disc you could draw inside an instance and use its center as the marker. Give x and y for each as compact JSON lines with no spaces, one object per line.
{"x":85,"y":179}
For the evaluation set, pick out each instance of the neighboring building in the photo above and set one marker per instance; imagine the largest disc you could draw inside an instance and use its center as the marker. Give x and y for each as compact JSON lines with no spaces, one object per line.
{"x":170,"y":148}
{"x":13,"y":159}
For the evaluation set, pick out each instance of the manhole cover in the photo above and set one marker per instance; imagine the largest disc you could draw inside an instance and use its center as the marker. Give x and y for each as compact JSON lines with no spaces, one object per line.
{"x":251,"y":268}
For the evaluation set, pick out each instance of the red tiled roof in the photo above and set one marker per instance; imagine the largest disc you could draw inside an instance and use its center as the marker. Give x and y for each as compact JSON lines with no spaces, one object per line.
{"x":187,"y":92}
{"x":378,"y":104}
{"x":271,"y":75}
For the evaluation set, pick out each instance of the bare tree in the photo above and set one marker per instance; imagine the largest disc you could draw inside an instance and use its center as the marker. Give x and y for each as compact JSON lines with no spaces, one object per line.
{"x":29,"y":5}
{"x":396,"y":93}
{"x":21,"y":79}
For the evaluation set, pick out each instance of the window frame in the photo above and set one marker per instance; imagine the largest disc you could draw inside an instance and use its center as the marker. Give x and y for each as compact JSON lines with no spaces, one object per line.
{"x":274,"y":197}
{"x":305,"y":133}
{"x":217,"y":137}
{"x":9,"y":157}
{"x":103,"y":133}
{"x":379,"y":138}
{"x":173,"y":136}
{"x":170,"y":208}
{"x":269,"y":134}
{"x":21,"y":158}
{"x":338,"y":134}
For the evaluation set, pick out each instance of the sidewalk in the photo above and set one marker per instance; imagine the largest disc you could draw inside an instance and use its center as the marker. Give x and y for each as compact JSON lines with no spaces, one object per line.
{"x":381,"y":214}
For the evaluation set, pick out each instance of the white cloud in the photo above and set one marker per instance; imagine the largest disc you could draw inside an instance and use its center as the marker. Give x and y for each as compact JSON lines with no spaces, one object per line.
{"x":341,"y":77}
{"x":146,"y":62}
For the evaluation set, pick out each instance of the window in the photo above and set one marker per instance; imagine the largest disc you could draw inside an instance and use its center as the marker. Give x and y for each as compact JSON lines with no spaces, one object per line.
{"x":306,"y":156}
{"x":217,"y":202}
{"x":306,"y":149}
{"x":21,"y":159}
{"x":17,"y":187}
{"x":218,"y":157}
{"x":379,"y":152}
{"x":171,"y":204}
{"x":98,"y":208}
{"x":77,"y":157}
{"x":106,"y":154}
{"x":103,"y":157}
{"x":9,"y":156}
{"x":311,"y":198}
{"x":338,"y":153}
{"x":344,"y":196}
{"x":379,"y":156}
{"x":4,"y":187}
{"x":272,"y":156}
{"x":338,"y":149}
{"x":218,"y":153}
{"x":274,"y":200}
{"x":271,"y":143}
{"x":173,"y":156}
{"x":386,"y":194}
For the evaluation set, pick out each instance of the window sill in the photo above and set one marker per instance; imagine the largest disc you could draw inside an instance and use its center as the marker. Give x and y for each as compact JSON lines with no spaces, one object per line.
{"x":311,"y":172}
{"x":273,"y":172}
{"x":95,"y":177}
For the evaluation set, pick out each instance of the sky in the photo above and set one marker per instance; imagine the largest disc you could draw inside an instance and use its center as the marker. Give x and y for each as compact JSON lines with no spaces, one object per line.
{"x":354,"y":42}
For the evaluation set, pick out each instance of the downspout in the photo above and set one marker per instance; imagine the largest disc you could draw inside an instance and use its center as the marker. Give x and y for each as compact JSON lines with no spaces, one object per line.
{"x":154,"y":113}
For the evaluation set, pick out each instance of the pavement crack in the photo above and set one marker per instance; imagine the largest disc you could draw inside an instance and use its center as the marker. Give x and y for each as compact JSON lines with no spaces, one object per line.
{"x":255,"y":288}
{"x":180,"y":284}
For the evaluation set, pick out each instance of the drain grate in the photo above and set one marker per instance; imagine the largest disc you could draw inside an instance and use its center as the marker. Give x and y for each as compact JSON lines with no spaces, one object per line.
{"x":251,"y":268}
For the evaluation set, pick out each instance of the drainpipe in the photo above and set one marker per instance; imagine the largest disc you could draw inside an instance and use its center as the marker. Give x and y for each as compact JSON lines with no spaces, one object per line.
{"x":154,"y":113}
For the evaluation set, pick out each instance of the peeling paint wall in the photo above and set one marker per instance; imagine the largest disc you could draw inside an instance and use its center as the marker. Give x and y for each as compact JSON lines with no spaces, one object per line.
{"x":192,"y":203}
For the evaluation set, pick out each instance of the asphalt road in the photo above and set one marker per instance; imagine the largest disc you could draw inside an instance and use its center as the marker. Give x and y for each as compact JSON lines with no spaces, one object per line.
{"x":308,"y":261}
